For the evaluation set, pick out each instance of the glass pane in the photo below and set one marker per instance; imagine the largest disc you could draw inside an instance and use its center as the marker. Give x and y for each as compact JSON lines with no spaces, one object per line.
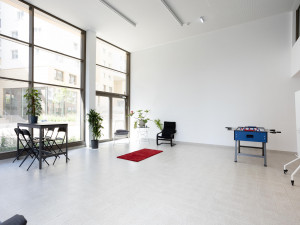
{"x":14,"y":60}
{"x":56,"y":69}
{"x":62,"y":105}
{"x":118,"y":114}
{"x":102,"y":107}
{"x":56,"y":35}
{"x":14,"y":19}
{"x":110,"y":56}
{"x":12,"y":111}
{"x":110,"y":81}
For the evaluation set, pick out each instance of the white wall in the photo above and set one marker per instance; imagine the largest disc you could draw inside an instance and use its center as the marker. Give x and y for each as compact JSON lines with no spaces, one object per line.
{"x":295,"y":60}
{"x":231,"y":77}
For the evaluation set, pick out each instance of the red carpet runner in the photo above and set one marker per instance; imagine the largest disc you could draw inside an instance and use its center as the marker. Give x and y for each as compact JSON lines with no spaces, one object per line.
{"x":139,"y":155}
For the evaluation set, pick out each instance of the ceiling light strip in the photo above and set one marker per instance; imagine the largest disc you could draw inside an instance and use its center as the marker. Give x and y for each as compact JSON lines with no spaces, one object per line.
{"x":172,"y":12}
{"x":117,"y":12}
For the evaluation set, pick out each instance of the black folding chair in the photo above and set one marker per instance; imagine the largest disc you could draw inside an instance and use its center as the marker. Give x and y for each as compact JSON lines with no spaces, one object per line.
{"x":34,"y":148}
{"x":167,"y":134}
{"x":59,"y":140}
{"x":48,"y":140}
{"x":22,"y":141}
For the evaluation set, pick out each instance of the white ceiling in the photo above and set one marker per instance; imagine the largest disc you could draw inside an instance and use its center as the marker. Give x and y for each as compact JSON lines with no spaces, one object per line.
{"x":155,"y":24}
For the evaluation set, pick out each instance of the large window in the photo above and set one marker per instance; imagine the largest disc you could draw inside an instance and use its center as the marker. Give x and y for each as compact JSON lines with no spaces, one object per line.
{"x":48,"y":57}
{"x":112,"y":87}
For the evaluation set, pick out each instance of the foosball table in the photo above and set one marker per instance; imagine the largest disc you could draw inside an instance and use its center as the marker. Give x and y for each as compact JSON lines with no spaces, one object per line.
{"x":252,"y":134}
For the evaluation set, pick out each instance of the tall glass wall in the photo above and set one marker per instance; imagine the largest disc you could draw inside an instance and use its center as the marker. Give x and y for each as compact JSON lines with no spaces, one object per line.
{"x":112,"y":87}
{"x":51,"y":62}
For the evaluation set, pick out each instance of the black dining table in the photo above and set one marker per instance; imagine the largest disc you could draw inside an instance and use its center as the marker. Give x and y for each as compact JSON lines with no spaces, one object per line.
{"x":42,"y":127}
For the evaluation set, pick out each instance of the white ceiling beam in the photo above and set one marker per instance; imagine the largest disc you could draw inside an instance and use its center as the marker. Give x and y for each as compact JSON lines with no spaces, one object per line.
{"x":172,"y":12}
{"x":108,"y":5}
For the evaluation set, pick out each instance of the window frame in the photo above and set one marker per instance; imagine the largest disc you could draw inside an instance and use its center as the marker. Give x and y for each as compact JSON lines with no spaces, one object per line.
{"x":30,"y":81}
{"x":297,"y":23}
{"x":112,"y":95}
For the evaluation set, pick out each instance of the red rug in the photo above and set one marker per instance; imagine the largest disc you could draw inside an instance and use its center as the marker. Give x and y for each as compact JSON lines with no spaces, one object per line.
{"x":139,"y":155}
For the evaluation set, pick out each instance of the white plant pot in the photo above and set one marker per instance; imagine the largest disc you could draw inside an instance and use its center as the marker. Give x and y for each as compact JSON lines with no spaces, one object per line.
{"x":141,"y":123}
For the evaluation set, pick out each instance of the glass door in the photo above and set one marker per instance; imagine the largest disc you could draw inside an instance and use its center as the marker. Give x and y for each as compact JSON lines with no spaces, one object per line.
{"x":118,"y":115}
{"x":113,"y":111}
{"x":103,"y":107}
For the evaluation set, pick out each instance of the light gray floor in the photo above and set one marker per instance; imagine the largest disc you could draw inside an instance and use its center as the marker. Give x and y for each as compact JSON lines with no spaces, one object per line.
{"x":189,"y":184}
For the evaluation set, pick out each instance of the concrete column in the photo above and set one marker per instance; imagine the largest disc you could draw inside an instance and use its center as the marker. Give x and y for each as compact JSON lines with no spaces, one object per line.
{"x":90,"y":84}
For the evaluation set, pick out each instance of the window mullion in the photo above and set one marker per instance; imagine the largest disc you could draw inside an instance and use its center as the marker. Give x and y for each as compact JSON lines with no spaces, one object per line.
{"x":31,"y":47}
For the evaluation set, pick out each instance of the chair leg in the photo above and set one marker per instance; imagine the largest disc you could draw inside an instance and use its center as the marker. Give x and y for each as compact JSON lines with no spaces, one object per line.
{"x":157,"y":142}
{"x":54,"y":160}
{"x":46,"y":161}
{"x":52,"y":149}
{"x":24,"y":160}
{"x":18,"y":155}
{"x":59,"y":149}
{"x":172,"y":144}
{"x":31,"y":163}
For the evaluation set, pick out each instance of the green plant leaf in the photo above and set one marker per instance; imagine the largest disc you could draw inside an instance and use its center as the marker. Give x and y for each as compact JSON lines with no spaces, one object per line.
{"x":95,"y":124}
{"x":33,"y":100}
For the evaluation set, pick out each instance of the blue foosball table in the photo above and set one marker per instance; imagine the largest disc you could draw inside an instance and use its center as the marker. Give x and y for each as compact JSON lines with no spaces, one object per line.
{"x":251,"y":134}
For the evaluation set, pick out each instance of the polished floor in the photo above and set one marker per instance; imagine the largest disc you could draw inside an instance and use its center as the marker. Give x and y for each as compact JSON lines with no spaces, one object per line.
{"x":188,"y":184}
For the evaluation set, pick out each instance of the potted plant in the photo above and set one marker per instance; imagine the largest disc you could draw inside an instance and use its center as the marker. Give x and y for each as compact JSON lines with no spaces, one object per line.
{"x":141,"y":117}
{"x":158,"y":124}
{"x":34,"y":106}
{"x":95,"y":123}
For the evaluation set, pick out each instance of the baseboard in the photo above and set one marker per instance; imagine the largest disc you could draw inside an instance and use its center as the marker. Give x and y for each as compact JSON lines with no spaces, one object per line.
{"x":221,"y":146}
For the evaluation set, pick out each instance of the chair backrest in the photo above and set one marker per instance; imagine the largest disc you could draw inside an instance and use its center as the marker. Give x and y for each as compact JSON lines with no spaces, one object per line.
{"x":61,"y":133}
{"x":49,"y":133}
{"x":28,"y":138}
{"x":62,"y":129}
{"x":26,"y":134}
{"x":22,"y":139}
{"x":18,"y":131}
{"x":169,"y":128}
{"x":119,"y":125}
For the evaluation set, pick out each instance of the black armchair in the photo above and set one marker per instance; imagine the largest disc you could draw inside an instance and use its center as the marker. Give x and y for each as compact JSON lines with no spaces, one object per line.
{"x":167,"y":134}
{"x":15,"y":220}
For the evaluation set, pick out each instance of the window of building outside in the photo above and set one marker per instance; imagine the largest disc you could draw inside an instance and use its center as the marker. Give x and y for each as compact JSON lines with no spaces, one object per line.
{"x":72,"y":79}
{"x":14,"y":34}
{"x":14,"y":54}
{"x":112,"y":82}
{"x":57,"y":73}
{"x":20,"y":15}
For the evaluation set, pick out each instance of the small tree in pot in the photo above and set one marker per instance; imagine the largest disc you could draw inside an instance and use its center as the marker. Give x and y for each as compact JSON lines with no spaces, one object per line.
{"x":95,"y":123}
{"x":34,"y":106}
